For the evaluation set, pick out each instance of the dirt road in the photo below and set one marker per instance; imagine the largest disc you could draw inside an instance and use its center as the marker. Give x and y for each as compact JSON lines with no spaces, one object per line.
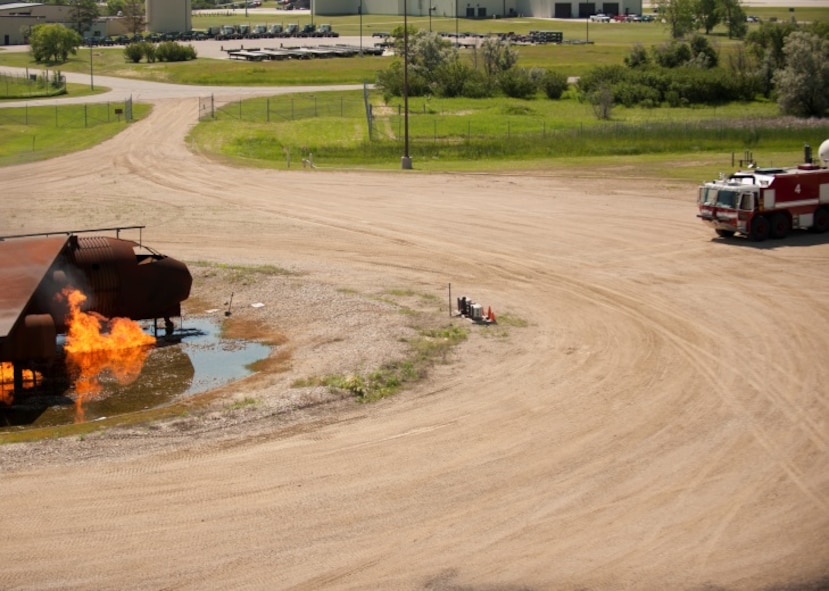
{"x":662,"y":422}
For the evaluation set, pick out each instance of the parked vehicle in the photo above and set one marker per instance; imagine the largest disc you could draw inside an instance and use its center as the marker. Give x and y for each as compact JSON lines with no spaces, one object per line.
{"x":326,"y":31}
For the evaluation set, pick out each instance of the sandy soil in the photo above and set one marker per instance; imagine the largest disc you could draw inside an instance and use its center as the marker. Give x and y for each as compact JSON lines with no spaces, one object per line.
{"x":662,"y":422}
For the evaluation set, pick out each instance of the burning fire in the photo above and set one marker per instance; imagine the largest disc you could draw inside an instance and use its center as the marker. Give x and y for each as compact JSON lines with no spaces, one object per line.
{"x":30,"y":380}
{"x":95,"y":345}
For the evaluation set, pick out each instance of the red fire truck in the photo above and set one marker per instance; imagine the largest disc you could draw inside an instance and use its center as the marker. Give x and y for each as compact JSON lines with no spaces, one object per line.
{"x":768,"y":202}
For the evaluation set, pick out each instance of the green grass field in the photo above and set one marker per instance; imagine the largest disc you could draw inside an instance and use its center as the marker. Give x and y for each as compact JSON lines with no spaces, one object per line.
{"x":445,"y":134}
{"x":503,"y":133}
{"x":29,"y":134}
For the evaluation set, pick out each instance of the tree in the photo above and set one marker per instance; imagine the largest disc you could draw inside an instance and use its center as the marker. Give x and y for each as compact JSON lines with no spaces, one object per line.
{"x":601,"y":100}
{"x":498,"y":56}
{"x":114,"y":7}
{"x":707,"y":14}
{"x":434,"y":68}
{"x":766,"y":46}
{"x":801,"y":85}
{"x":732,"y":14}
{"x":83,"y":13}
{"x":53,"y":43}
{"x":134,"y":12}
{"x":678,"y":16}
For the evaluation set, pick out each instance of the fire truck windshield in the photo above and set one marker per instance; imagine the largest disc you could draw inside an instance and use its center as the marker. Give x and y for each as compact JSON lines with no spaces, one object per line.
{"x":726,"y":198}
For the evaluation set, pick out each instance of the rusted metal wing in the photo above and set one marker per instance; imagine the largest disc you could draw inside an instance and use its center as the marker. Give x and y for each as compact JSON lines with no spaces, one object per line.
{"x":23,"y":265}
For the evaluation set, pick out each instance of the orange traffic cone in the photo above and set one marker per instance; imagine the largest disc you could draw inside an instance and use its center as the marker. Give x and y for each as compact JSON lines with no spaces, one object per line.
{"x":491,"y":316}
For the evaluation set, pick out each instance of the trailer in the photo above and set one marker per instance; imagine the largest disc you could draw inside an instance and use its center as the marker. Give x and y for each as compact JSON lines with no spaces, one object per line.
{"x":763,"y":203}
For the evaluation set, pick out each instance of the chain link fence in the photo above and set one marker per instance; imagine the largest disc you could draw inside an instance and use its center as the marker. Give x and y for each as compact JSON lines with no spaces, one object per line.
{"x":280,"y":109}
{"x":77,"y":116}
{"x":25,"y":85}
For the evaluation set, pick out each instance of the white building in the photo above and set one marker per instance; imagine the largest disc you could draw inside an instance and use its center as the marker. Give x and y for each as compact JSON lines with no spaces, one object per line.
{"x":480,"y":8}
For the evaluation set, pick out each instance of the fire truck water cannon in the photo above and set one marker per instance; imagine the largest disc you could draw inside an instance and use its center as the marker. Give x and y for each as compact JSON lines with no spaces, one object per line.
{"x":763,"y":203}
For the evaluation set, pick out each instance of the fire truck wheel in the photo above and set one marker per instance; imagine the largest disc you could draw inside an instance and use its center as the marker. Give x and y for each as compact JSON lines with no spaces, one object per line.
{"x":781,"y":224}
{"x":760,"y":229}
{"x":821,"y":224}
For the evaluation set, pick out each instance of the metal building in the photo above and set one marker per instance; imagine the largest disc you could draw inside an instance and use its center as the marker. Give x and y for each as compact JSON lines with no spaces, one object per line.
{"x":480,"y":8}
{"x":169,"y":16}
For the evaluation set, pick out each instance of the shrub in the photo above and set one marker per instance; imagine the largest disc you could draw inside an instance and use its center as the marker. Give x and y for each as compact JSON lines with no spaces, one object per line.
{"x":170,"y":51}
{"x":672,"y":54}
{"x":149,"y":51}
{"x":631,"y":94}
{"x":517,"y":83}
{"x":133,"y":52}
{"x":638,"y":57}
{"x":602,"y":76}
{"x":553,"y":84}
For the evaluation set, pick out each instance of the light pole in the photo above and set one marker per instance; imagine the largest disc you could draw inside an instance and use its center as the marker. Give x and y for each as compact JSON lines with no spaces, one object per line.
{"x":360,"y":12}
{"x":91,"y":78}
{"x":406,"y":161}
{"x":431,"y":10}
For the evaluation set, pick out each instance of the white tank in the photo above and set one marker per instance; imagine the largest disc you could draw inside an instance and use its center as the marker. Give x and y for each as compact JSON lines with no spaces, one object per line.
{"x":823,"y":153}
{"x":169,"y":16}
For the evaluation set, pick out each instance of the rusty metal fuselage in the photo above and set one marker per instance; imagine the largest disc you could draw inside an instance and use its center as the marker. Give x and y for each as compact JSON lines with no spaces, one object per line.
{"x":120,"y":278}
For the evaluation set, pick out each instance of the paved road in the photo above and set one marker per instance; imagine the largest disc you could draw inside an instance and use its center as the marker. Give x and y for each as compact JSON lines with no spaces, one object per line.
{"x":142,"y":90}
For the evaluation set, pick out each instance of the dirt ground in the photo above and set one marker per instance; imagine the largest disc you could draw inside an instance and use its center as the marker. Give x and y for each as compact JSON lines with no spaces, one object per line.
{"x":661,"y":422}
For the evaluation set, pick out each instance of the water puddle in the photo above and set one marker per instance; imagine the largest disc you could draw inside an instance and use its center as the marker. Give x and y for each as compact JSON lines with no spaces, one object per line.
{"x":195,"y":360}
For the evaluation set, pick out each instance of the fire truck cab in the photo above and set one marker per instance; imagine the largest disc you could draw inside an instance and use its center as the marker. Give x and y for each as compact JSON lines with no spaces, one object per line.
{"x":766,"y":203}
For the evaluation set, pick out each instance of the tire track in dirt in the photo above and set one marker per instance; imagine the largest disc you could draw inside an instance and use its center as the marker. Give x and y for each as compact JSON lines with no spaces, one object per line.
{"x":623,"y":436}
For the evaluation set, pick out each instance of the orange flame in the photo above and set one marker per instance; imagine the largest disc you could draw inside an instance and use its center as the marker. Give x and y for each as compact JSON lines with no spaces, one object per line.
{"x":95,"y":345}
{"x":30,"y":380}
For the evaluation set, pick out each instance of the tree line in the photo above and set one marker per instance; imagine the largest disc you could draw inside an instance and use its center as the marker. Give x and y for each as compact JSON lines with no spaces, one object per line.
{"x":782,"y":61}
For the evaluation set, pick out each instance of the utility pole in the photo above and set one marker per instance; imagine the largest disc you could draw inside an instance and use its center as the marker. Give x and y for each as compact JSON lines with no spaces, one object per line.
{"x":457,"y":40}
{"x":406,"y":161}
